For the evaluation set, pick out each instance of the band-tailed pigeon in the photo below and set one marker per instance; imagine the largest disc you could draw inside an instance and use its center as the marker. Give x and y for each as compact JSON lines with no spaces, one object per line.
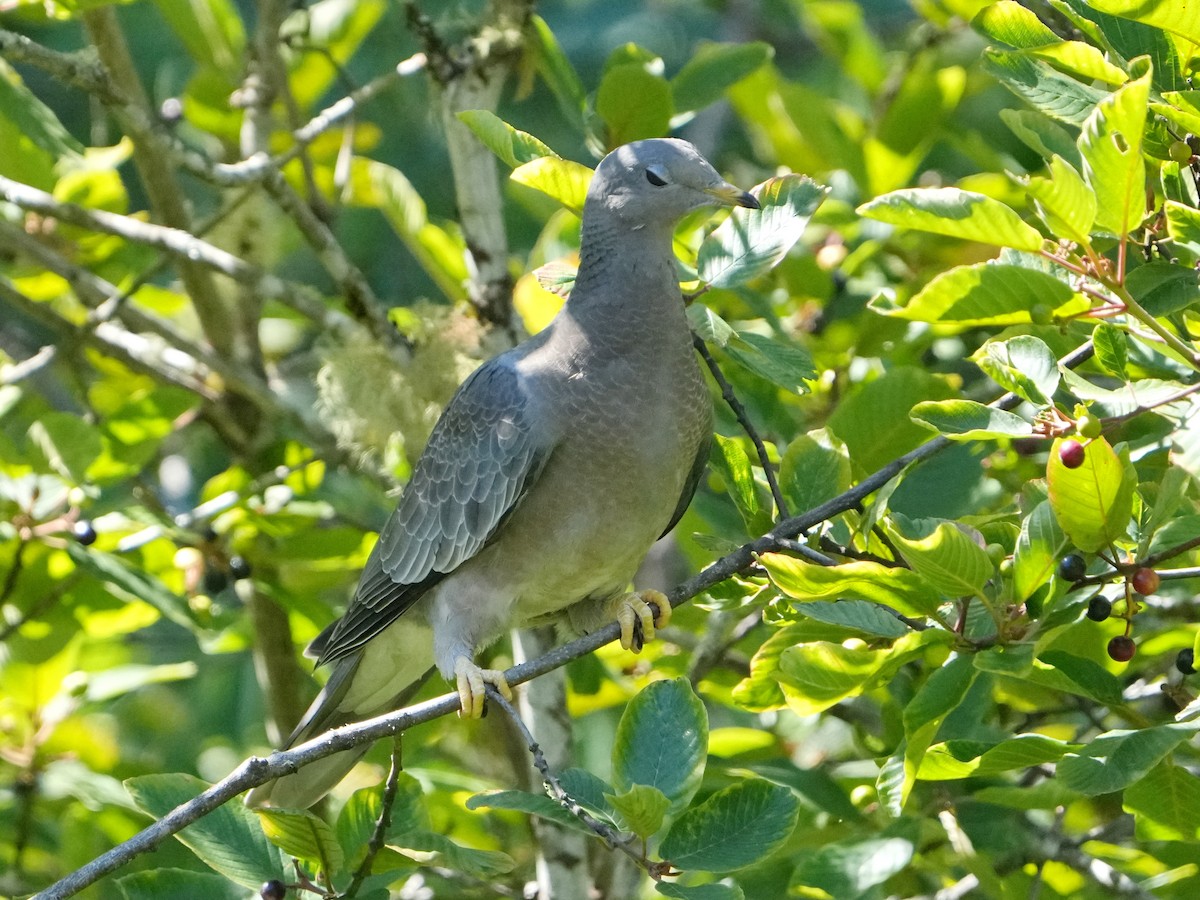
{"x":549,"y":475}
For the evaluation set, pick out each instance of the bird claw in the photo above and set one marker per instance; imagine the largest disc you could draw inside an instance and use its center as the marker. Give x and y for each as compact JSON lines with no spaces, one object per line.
{"x":472,"y":690}
{"x":638,"y":619}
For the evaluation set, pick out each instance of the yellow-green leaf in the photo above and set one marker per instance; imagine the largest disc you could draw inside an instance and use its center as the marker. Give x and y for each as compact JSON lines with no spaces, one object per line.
{"x":956,"y":213}
{"x":1092,"y":503}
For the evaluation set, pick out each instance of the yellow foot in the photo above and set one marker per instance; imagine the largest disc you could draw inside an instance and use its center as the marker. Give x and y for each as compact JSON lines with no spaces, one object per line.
{"x":639,"y":619}
{"x":471,"y":686}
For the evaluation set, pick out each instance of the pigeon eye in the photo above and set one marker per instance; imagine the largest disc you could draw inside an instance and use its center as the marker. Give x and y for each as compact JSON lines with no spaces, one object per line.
{"x":654,"y":178}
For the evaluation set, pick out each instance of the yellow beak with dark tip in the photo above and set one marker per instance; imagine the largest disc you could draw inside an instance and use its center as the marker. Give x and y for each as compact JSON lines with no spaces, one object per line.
{"x":729,"y":195}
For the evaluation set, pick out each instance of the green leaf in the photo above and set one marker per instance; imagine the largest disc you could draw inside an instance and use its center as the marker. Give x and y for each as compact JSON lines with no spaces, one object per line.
{"x":812,"y":472}
{"x":1046,"y":138}
{"x":966,"y":420}
{"x":713,"y":69}
{"x":634,"y":102}
{"x":732,"y":462}
{"x":1111,"y":145}
{"x":956,"y":213}
{"x":713,"y":891}
{"x":564,"y":180}
{"x":154,"y":884}
{"x":873,"y":420}
{"x":1040,"y":545}
{"x":302,"y":834}
{"x":1169,"y":799}
{"x":37,"y":140}
{"x":1092,"y":503}
{"x":851,"y":868}
{"x":1117,"y":759}
{"x":1112,"y":349}
{"x":751,"y":242}
{"x":1023,"y":365}
{"x":736,"y":827}
{"x":785,"y":364}
{"x":514,"y":147}
{"x":1092,"y":679}
{"x":642,"y":809}
{"x":822,"y":674}
{"x":708,"y":326}
{"x":441,"y":254}
{"x":1012,"y":24}
{"x":130,"y":582}
{"x":1164,"y":288}
{"x":589,"y":791}
{"x":67,"y":443}
{"x":946,"y":558}
{"x":210,"y":30}
{"x":475,"y":863}
{"x":558,"y":73}
{"x":962,"y":759}
{"x":534,"y":804}
{"x":901,"y":589}
{"x":760,"y":690}
{"x":1182,"y":19}
{"x":229,"y":839}
{"x":1064,"y":201}
{"x":985,"y":294}
{"x":869,"y":618}
{"x":662,"y":741}
{"x":1042,"y":86}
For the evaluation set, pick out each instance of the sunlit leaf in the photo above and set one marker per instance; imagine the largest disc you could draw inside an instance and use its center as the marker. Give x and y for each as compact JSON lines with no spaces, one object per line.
{"x":712,"y":69}
{"x":986,"y":294}
{"x":946,"y":558}
{"x":1093,"y":502}
{"x":956,"y":213}
{"x":750,"y":242}
{"x":229,"y":839}
{"x":634,"y":102}
{"x":734,"y":828}
{"x":967,"y":420}
{"x":1023,"y":365}
{"x":564,"y":180}
{"x":1111,"y":145}
{"x":513,"y":146}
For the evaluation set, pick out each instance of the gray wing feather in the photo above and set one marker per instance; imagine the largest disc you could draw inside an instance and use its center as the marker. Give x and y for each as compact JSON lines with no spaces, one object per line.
{"x":483,"y":455}
{"x":699,"y":464}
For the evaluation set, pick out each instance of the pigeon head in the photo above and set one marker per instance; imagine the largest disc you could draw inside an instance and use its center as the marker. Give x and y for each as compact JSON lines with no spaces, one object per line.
{"x":657,"y":181}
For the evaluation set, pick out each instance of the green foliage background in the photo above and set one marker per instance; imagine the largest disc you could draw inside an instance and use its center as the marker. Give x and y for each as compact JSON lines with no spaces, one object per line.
{"x":903,"y":696}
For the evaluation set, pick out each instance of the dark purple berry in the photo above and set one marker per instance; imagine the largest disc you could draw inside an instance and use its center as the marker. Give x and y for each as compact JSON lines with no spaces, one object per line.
{"x":273,"y":890}
{"x":215,"y":580}
{"x":1185,"y":662}
{"x":84,"y":532}
{"x":1072,"y":567}
{"x":239,"y":568}
{"x":1121,"y":648}
{"x":1071,"y":454}
{"x":1099,"y":609}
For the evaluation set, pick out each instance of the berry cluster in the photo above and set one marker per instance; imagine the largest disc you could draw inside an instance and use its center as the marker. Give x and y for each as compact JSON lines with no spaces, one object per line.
{"x":1143,"y":581}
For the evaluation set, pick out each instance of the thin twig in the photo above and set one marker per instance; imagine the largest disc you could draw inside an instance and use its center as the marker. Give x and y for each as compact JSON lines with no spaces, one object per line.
{"x":744,"y":420}
{"x":607,"y":833}
{"x":384,"y":822}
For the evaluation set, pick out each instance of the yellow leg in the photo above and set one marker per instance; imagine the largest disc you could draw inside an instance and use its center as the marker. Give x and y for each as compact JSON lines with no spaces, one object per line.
{"x":639,"y":619}
{"x":471,"y":682}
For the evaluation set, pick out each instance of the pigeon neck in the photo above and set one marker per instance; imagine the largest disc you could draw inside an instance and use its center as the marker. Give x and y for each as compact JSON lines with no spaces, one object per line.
{"x":622,"y":272}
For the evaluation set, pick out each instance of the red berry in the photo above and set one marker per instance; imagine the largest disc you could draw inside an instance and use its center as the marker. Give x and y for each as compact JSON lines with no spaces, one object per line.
{"x":1071,"y":454}
{"x":1121,"y":648}
{"x":1145,"y":581}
